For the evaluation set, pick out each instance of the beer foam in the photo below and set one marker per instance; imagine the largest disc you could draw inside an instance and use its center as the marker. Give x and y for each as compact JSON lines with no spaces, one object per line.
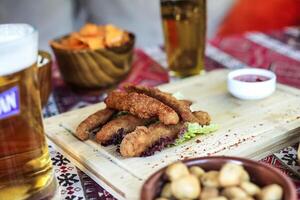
{"x":18,"y":47}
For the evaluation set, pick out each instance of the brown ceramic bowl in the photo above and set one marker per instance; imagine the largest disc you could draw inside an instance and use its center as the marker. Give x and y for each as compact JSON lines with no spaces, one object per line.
{"x":93,"y":69}
{"x":260,"y":173}
{"x":44,"y":76}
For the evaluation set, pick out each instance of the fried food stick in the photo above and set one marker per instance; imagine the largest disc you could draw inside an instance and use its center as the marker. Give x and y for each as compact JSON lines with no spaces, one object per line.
{"x":139,"y":141}
{"x":186,"y":102}
{"x":93,"y":121}
{"x":145,"y":141}
{"x":114,"y":131}
{"x":142,"y":106}
{"x":180,"y":107}
{"x":202,"y":117}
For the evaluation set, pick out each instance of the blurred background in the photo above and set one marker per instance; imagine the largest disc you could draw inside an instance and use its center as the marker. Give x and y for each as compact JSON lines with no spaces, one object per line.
{"x":54,"y":18}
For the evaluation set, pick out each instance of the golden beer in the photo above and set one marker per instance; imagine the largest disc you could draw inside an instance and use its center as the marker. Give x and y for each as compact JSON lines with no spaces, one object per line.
{"x":25,"y":165}
{"x":184,"y":26}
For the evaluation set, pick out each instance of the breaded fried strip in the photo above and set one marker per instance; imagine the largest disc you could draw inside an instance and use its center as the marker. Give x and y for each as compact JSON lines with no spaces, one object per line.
{"x":138,"y":141}
{"x":93,"y":121}
{"x":125,"y":122}
{"x":180,"y":107}
{"x":203,"y":117}
{"x":186,"y":102}
{"x":142,"y":106}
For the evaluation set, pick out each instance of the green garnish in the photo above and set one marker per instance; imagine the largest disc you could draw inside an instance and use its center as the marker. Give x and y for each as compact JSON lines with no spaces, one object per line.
{"x":195,"y":129}
{"x":178,"y":96}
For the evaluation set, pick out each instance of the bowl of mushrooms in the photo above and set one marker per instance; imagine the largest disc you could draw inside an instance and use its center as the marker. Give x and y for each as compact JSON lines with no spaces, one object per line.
{"x":218,"y":178}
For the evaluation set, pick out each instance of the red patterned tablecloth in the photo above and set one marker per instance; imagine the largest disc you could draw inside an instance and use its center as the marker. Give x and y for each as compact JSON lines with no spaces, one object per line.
{"x":278,"y":51}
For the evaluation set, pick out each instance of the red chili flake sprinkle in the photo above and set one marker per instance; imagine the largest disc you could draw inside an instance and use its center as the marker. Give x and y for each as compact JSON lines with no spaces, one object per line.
{"x":198,"y":141}
{"x":226,"y":135}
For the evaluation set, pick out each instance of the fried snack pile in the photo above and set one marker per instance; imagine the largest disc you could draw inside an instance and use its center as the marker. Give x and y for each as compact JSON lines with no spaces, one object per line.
{"x":92,"y":36}
{"x":140,"y":120}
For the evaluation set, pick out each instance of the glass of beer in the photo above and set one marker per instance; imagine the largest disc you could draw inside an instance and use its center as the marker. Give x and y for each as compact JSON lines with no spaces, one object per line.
{"x":184,"y":26}
{"x":25,"y":165}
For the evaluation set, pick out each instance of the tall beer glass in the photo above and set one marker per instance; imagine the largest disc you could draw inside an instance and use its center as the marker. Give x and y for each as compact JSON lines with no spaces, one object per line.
{"x":25,"y":165}
{"x":184,"y":26}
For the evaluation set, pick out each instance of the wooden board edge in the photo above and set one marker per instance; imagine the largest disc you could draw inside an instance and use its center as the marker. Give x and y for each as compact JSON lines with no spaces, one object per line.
{"x":292,"y":138}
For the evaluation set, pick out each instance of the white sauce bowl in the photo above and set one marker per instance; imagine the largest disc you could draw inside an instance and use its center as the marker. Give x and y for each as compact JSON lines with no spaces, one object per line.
{"x":251,"y":90}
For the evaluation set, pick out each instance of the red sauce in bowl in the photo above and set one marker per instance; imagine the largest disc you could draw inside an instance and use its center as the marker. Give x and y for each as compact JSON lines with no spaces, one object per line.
{"x":251,"y":78}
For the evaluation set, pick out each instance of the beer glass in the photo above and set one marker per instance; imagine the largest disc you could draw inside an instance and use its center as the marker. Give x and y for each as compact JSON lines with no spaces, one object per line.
{"x":184,"y":26}
{"x":25,"y":165}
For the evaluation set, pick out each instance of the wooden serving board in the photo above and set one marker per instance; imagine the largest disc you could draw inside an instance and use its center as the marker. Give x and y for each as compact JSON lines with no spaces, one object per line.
{"x":247,"y":128}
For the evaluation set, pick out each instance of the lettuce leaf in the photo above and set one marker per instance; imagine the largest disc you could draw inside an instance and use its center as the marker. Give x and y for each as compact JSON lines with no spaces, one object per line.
{"x":195,"y":129}
{"x":178,"y":96}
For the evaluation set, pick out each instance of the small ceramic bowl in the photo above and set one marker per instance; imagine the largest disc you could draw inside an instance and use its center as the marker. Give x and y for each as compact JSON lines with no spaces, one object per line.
{"x":260,"y":174}
{"x":44,"y":75}
{"x":251,"y":83}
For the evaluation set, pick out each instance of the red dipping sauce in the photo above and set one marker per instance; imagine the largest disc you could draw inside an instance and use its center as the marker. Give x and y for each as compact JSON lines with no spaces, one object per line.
{"x":251,"y":78}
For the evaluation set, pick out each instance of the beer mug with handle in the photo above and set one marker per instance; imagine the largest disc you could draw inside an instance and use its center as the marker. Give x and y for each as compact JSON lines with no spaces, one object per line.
{"x":25,"y":165}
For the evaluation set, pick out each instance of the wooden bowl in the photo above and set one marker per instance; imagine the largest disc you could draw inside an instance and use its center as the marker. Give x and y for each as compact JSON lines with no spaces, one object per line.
{"x":44,"y":76}
{"x":94,"y":68}
{"x":261,"y":174}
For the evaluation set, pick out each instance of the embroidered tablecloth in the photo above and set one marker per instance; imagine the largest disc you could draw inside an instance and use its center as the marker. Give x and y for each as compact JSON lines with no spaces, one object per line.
{"x":278,"y":51}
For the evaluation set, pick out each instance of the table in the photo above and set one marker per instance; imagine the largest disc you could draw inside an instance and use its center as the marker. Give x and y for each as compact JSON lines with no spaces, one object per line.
{"x":278,"y":51}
